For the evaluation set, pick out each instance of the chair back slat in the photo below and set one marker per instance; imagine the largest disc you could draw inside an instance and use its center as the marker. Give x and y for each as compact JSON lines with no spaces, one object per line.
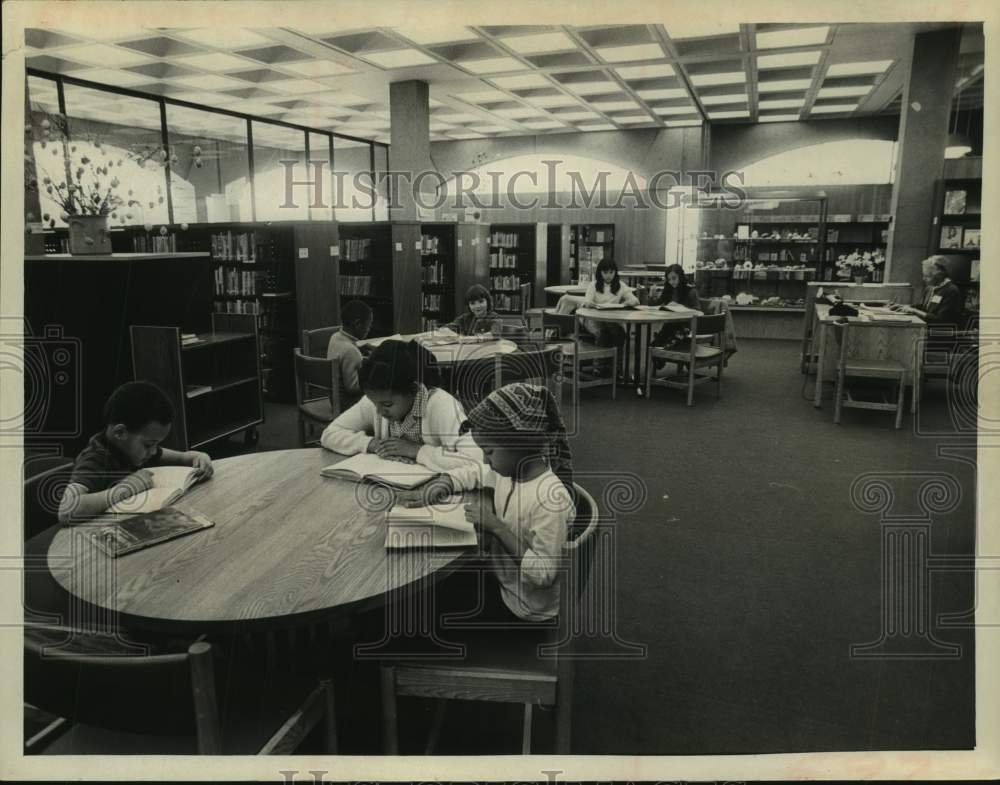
{"x":564,"y":324}
{"x":525,"y":297}
{"x":315,"y":342}
{"x":317,"y":372}
{"x":42,"y":493}
{"x":709,"y":325}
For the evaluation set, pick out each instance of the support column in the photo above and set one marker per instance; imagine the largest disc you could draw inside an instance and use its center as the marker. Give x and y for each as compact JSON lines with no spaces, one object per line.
{"x":409,"y":116}
{"x":923,"y":130}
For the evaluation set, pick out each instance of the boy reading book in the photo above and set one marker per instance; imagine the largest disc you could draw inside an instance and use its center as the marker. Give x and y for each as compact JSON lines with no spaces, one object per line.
{"x":112,"y":468}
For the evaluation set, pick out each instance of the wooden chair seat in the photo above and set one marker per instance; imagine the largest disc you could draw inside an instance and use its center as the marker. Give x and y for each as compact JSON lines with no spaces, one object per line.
{"x":319,"y":410}
{"x":874,"y":368}
{"x":312,"y":375}
{"x":692,"y":354}
{"x":701,"y":352}
{"x":866,"y":368}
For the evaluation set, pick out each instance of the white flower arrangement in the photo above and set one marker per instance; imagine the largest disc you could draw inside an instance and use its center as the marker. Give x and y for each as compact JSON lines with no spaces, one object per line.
{"x":860,"y":263}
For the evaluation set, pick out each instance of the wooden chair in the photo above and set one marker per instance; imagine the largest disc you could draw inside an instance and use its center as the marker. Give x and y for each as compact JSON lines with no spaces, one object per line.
{"x":164,"y":703}
{"x":577,"y":350}
{"x":505,"y":665}
{"x":472,"y":380}
{"x":692,"y":355}
{"x":541,"y":366}
{"x":855,"y":367}
{"x":316,"y":373}
{"x":44,"y":481}
{"x":532,"y":316}
{"x":315,"y":342}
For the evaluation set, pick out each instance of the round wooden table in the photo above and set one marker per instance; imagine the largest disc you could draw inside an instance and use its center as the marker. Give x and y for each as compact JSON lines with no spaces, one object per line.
{"x":451,"y":353}
{"x":570,"y":288}
{"x":643,"y":317}
{"x":289,"y":547}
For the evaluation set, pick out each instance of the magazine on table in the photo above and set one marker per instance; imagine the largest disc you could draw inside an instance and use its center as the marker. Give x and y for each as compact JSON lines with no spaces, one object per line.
{"x":402,"y":474}
{"x":121,"y":537}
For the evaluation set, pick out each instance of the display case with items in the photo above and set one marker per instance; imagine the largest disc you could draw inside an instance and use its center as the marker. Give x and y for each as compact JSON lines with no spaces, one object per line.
{"x":588,"y":245}
{"x":957,"y":228}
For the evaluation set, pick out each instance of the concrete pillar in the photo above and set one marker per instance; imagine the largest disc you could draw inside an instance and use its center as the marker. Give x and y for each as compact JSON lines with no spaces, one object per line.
{"x":409,"y":116}
{"x":923,"y":130}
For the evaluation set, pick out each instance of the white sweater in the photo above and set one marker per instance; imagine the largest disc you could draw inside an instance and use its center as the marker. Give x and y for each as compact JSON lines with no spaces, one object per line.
{"x":443,"y":450}
{"x":624,"y":296}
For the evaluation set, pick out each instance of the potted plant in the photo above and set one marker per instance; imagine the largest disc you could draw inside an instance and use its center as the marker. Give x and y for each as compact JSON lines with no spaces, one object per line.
{"x":860,"y":266}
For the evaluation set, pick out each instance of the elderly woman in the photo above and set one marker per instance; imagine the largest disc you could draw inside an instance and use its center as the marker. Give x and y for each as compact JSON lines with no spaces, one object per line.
{"x":942,"y":301}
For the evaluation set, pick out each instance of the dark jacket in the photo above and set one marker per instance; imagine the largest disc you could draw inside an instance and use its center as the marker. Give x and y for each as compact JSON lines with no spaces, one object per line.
{"x":467,"y":324}
{"x":946,"y":305}
{"x":691,"y":300}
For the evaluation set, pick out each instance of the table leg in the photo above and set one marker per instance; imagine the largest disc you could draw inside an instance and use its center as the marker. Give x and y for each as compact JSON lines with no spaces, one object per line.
{"x":820,"y":357}
{"x":626,"y":365}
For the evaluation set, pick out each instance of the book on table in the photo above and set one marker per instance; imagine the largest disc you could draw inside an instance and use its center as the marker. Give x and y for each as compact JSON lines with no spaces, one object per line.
{"x":678,"y":308}
{"x":610,"y":306}
{"x":120,"y":537}
{"x":441,"y":525}
{"x":398,"y":473}
{"x":169,"y":484}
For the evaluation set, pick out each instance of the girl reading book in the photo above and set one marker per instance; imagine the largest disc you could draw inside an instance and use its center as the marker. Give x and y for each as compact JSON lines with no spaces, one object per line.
{"x":405,"y":416}
{"x":676,"y":291}
{"x":607,"y":289}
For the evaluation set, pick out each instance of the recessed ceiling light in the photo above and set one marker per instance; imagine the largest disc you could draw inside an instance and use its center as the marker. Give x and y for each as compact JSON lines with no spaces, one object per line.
{"x":855,"y":69}
{"x":211,"y":82}
{"x":540,"y":43}
{"x":630,"y":53}
{"x":707,"y":80}
{"x":578,"y":116}
{"x":714,"y":100}
{"x":645,"y":71}
{"x":540,"y":124}
{"x":491,"y":65}
{"x":458,"y":117}
{"x":552,"y":100}
{"x":799,"y":36}
{"x":596,"y":127}
{"x":634,"y":118}
{"x":793,"y":103}
{"x":612,"y":106}
{"x":438,"y":34}
{"x":234,"y":38}
{"x":700,"y":28}
{"x":832,"y":108}
{"x":788,"y":59}
{"x":778,"y":118}
{"x":592,"y":88}
{"x":682,"y":123}
{"x":105,"y":55}
{"x":112,"y":76}
{"x":523,"y":111}
{"x":843,"y":92}
{"x":783,"y":84}
{"x":297,"y":86}
{"x":482,"y":96}
{"x":489,"y":129}
{"x":727,"y":115}
{"x":654,"y":95}
{"x":518,"y":82}
{"x":466,"y":135}
{"x":398,"y":58}
{"x":317,"y":68}
{"x":668,"y":110}
{"x":215,"y":61}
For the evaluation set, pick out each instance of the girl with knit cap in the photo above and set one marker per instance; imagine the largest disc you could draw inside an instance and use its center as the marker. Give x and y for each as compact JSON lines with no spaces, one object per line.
{"x":479,"y":316}
{"x":523,"y":439}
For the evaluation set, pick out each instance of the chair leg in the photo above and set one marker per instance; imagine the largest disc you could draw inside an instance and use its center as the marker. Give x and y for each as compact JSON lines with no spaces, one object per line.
{"x":302,"y":431}
{"x":649,"y":373}
{"x":614,"y":378}
{"x":526,"y":731}
{"x":390,"y":720}
{"x":330,"y":736}
{"x":718,"y":381}
{"x":900,"y":401}
{"x":691,"y":384}
{"x":436,"y":724}
{"x":838,"y":396}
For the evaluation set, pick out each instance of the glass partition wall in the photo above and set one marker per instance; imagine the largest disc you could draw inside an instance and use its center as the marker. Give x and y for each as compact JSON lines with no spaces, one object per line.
{"x":181,"y":163}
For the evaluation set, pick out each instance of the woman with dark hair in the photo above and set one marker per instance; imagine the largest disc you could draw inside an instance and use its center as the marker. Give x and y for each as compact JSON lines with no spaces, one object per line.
{"x":405,"y":416}
{"x":676,"y":291}
{"x":607,"y":289}
{"x":478,"y":316}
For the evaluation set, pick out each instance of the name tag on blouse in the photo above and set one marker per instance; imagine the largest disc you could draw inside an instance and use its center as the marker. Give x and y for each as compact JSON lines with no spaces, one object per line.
{"x":935,"y":299}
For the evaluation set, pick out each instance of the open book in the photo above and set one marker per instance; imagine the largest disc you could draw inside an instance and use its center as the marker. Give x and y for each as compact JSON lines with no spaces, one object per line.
{"x":442,"y":525}
{"x":609,"y":306}
{"x":118,"y":538}
{"x":394,"y":474}
{"x":678,"y":308}
{"x":169,"y":484}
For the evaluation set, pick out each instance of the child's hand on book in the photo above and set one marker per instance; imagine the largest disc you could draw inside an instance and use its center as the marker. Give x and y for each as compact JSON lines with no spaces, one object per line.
{"x":397,"y":448}
{"x":135,"y":483}
{"x":202,"y":462}
{"x":437,"y":490}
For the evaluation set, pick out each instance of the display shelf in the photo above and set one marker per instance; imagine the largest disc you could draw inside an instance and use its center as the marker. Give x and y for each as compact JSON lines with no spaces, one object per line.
{"x":588,"y":245}
{"x":438,"y":250}
{"x":366,"y":270}
{"x":513,"y":261}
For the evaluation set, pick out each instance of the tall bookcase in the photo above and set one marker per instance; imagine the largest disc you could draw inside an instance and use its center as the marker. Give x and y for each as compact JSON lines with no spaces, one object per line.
{"x":366,"y":270}
{"x":438,"y":251}
{"x":517,"y":256}
{"x":588,"y":245}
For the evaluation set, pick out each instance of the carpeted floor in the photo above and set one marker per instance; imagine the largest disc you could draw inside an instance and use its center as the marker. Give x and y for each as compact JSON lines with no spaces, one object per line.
{"x":747,"y":573}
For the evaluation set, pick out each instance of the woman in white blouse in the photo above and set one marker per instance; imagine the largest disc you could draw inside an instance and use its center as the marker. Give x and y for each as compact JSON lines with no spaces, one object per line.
{"x":607,"y":288}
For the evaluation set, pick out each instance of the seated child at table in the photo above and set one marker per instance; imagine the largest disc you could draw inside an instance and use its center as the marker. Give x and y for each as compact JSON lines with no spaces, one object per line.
{"x":524,"y":526}
{"x":479,"y":316}
{"x":676,"y":290}
{"x":608,"y":288}
{"x":137,"y":417}
{"x":404,"y":415}
{"x":357,"y":318}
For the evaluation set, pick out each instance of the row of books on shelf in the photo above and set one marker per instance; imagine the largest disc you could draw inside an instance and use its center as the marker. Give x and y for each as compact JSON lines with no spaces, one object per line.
{"x":589,"y":235}
{"x":785,"y":255}
{"x":428,"y":325}
{"x":154,"y":243}
{"x":433,"y":273}
{"x":504,"y":239}
{"x":775,"y":275}
{"x":356,"y":285}
{"x":507,"y":302}
{"x":232,"y":246}
{"x":431,"y":302}
{"x":428,"y":244}
{"x":355,"y":249}
{"x":505,"y":283}
{"x":591,"y":253}
{"x":237,"y":306}
{"x":833,"y":236}
{"x":501,"y":260}
{"x":771,"y":219}
{"x":230,"y":281}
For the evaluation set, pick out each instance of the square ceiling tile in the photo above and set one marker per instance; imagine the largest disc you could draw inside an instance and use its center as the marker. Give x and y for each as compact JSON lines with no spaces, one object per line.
{"x":645,"y":71}
{"x":502,"y":30}
{"x":296,"y":86}
{"x":398,"y":58}
{"x":699,"y":26}
{"x":162,"y":71}
{"x":492,"y":65}
{"x":832,"y":108}
{"x":518,"y":113}
{"x":259,"y":75}
{"x":207,"y":82}
{"x":854,"y":69}
{"x":596,"y":127}
{"x":57,"y":65}
{"x":724,"y":46}
{"x":783,"y":84}
{"x":161,"y":46}
{"x":667,"y":111}
{"x":788,"y":59}
{"x":489,"y":129}
{"x":632,"y":119}
{"x":542,"y":124}
{"x":650,"y":95}
{"x":683,"y":123}
{"x":216,"y":61}
{"x":728,"y":98}
{"x":234,"y":37}
{"x":483,"y":96}
{"x":560,"y":60}
{"x":772,"y":37}
{"x":539,"y":43}
{"x":458,"y":117}
{"x":108,"y":56}
{"x":553,"y":100}
{"x":465,"y":135}
{"x":373,"y":41}
{"x":706,"y":80}
{"x":777,"y":118}
{"x":729,"y":115}
{"x":251,"y":94}
{"x":437,"y":34}
{"x":273,"y":55}
{"x":614,"y":106}
{"x":631,"y":53}
{"x":516,"y":82}
{"x":111,"y":76}
{"x":843,"y":92}
{"x":784,"y":103}
{"x":47,"y":39}
{"x":616,"y":35}
{"x":575,"y":115}
{"x":317,"y":68}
